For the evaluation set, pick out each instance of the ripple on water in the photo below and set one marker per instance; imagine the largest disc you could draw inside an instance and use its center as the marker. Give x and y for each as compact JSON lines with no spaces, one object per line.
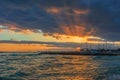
{"x":29,"y":66}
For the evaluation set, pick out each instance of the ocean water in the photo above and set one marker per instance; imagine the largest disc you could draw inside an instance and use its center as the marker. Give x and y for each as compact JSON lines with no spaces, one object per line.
{"x":31,"y":66}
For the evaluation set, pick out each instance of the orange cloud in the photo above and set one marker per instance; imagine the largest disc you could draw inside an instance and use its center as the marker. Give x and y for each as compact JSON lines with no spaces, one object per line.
{"x":72,"y":33}
{"x":66,"y":10}
{"x":74,"y":25}
{"x":77,"y":30}
{"x":77,"y":11}
{"x":54,"y":10}
{"x":16,"y":28}
{"x":26,"y":31}
{"x":1,"y":30}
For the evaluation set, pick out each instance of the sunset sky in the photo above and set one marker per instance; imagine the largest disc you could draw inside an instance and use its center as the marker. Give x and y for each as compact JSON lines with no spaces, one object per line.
{"x":33,"y":25}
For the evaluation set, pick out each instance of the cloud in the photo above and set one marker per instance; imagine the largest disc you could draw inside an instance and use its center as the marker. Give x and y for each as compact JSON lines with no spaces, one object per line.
{"x":12,"y":45}
{"x":66,"y":10}
{"x":77,"y":11}
{"x":93,"y":17}
{"x":94,"y":39}
{"x":104,"y":15}
{"x":77,"y":30}
{"x":63,"y":45}
{"x":16,"y":28}
{"x":54,"y":10}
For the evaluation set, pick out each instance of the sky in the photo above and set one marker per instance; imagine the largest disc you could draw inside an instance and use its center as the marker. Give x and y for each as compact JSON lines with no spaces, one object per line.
{"x":57,"y":24}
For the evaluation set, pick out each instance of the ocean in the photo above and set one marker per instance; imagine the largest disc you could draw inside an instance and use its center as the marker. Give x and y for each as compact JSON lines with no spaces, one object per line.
{"x":32,"y":66}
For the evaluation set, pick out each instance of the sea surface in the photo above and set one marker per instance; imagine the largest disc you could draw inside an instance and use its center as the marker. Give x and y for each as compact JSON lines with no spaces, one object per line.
{"x":32,"y":66}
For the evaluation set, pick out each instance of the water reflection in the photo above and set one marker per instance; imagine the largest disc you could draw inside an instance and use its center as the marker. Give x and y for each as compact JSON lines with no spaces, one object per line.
{"x":54,"y":67}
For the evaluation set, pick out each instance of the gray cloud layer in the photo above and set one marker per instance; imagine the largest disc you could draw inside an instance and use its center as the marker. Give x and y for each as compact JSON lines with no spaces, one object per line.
{"x":103,"y":15}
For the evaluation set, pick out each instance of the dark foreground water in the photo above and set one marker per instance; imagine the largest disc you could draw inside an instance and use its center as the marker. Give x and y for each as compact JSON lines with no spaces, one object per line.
{"x":31,"y":66}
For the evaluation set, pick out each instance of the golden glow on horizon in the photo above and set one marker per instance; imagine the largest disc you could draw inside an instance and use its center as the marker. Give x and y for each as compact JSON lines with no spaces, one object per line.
{"x":12,"y":47}
{"x":67,"y":38}
{"x":22,"y":47}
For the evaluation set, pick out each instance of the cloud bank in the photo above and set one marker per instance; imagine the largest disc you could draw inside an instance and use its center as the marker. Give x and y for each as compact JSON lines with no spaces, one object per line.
{"x":75,"y":18}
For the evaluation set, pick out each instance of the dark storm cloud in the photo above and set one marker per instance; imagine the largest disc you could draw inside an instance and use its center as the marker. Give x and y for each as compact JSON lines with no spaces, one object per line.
{"x":25,"y":14}
{"x":103,"y":15}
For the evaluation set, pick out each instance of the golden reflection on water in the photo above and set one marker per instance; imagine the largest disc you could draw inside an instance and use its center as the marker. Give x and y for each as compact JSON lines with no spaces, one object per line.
{"x":50,"y":67}
{"x":77,"y":67}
